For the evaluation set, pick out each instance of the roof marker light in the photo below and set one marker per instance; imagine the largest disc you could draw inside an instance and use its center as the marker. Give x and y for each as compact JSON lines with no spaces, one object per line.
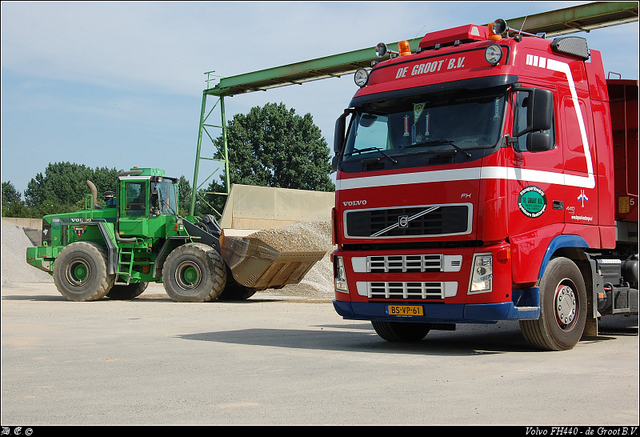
{"x":404,"y":48}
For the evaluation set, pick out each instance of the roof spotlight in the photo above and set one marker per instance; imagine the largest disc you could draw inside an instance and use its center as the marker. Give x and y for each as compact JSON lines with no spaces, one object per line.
{"x":361,"y":77}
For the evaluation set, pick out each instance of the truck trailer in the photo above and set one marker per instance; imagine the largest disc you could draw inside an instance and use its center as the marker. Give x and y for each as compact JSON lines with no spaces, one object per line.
{"x":492,"y":175}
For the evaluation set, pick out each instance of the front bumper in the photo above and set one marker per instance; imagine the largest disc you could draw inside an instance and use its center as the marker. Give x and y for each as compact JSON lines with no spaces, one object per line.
{"x":446,"y":313}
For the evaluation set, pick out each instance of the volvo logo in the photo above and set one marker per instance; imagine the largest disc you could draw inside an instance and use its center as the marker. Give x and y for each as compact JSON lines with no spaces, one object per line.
{"x":354,"y":202}
{"x":403,"y":221}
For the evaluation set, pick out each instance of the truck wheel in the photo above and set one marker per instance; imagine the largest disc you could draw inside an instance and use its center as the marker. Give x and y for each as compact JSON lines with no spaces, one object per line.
{"x":127,"y":292}
{"x":563,"y":308}
{"x":401,"y":332}
{"x":194,"y":272}
{"x":80,"y":272}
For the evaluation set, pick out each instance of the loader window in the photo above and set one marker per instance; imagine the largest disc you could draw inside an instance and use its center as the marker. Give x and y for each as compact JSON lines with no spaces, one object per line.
{"x":134,"y":193}
{"x":163,"y":197}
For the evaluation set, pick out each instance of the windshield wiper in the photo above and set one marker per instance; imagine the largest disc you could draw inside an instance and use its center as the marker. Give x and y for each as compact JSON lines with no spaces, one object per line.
{"x":441,"y":141}
{"x":371,"y":149}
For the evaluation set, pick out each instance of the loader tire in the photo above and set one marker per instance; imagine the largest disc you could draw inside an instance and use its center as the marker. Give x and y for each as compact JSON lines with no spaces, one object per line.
{"x":563,"y":308}
{"x":401,"y":331}
{"x":127,"y":292}
{"x":80,"y":272}
{"x":236,"y":292}
{"x":194,"y":272}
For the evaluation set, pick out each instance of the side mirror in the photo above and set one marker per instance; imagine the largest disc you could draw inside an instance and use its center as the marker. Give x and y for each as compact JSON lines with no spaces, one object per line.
{"x":539,"y":142}
{"x":540,"y":113}
{"x":334,"y":163}
{"x":338,"y":134}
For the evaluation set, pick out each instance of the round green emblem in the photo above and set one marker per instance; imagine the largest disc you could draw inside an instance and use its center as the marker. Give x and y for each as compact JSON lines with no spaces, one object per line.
{"x":532,"y":201}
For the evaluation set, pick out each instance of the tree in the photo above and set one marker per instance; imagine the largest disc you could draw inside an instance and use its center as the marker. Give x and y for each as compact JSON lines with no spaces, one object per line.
{"x":12,"y":204}
{"x":272,"y":146}
{"x":63,"y":187}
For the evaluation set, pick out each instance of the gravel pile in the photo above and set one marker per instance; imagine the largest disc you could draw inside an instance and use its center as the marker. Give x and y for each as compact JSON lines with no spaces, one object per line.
{"x":311,"y":236}
{"x":15,"y":269}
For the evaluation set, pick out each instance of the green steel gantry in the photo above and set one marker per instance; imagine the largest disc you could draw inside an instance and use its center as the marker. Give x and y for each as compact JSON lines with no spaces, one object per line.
{"x":557,"y":22}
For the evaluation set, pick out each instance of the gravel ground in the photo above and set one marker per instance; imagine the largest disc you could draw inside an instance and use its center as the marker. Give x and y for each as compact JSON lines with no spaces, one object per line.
{"x":308,"y":235}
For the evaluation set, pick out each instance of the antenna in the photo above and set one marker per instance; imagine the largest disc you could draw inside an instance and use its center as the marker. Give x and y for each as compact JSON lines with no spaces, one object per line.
{"x":525,"y":19}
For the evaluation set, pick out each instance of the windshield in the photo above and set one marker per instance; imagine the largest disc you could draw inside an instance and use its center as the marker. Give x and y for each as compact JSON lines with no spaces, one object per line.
{"x":457,"y":121}
{"x":163,"y":197}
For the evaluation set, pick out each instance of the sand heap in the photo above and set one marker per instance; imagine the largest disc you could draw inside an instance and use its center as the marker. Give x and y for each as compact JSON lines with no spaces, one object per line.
{"x":15,"y":269}
{"x":305,"y":236}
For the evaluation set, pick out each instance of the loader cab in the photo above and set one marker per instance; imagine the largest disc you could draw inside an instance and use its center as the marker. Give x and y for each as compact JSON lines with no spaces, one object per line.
{"x":147,"y":198}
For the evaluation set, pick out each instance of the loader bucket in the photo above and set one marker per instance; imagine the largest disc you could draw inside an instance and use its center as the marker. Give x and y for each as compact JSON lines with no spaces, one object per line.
{"x":257,"y":265}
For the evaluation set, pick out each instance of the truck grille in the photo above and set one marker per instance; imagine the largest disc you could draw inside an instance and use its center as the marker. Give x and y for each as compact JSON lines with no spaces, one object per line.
{"x":409,"y":222}
{"x":405,"y":263}
{"x":407,"y":290}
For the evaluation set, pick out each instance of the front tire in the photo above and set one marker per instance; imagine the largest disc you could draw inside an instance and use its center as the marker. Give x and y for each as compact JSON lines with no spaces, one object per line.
{"x":401,"y":332}
{"x":563,"y":308}
{"x":194,"y":272}
{"x":80,"y":272}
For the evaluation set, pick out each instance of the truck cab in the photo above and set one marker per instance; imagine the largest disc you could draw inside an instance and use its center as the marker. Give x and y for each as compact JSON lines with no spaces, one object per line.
{"x":470,"y":175}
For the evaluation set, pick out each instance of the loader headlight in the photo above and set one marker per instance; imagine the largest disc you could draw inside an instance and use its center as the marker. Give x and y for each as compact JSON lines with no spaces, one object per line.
{"x":340,"y":275}
{"x":481,"y":273}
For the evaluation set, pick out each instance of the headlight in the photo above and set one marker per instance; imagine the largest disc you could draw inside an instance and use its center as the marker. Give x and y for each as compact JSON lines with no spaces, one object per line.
{"x":482,"y":274}
{"x":493,"y":54}
{"x":340,"y":275}
{"x":361,"y":77}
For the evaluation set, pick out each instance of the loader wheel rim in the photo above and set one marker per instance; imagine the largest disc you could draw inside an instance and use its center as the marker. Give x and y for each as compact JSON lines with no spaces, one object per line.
{"x":566,"y":304}
{"x":78,"y":272}
{"x":188,"y":275}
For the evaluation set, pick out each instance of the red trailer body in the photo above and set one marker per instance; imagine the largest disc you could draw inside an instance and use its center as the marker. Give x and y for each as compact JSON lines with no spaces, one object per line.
{"x":485,"y":179}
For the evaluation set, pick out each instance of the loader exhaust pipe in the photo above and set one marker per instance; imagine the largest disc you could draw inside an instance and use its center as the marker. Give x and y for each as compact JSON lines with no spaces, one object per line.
{"x":94,"y":193}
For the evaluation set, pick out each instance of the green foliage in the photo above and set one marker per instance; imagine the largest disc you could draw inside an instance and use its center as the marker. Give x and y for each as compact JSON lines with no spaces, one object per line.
{"x":12,"y":204}
{"x":61,"y":188}
{"x":272,"y":146}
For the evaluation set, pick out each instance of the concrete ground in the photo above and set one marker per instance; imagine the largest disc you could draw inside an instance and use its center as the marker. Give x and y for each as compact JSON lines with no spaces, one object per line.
{"x":278,"y":359}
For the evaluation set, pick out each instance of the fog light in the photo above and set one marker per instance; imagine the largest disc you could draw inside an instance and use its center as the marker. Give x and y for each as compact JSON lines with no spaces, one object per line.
{"x":340,"y":275}
{"x":481,"y":274}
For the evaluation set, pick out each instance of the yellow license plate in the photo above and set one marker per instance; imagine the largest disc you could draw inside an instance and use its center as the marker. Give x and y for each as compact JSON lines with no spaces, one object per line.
{"x":405,"y":310}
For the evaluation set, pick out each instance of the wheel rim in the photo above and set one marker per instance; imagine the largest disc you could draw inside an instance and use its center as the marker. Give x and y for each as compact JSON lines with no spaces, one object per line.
{"x":188,"y":275}
{"x":78,"y":272}
{"x":566,"y":304}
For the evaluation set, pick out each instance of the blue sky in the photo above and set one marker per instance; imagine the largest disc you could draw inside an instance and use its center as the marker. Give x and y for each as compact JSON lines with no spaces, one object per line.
{"x":119,"y":84}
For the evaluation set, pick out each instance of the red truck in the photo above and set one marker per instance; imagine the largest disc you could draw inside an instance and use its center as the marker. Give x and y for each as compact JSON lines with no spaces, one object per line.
{"x":492,"y":175}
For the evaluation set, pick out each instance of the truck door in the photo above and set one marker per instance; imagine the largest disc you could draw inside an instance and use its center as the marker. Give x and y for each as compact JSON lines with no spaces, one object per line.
{"x":536,"y":190}
{"x":536,"y":187}
{"x":134,"y":208}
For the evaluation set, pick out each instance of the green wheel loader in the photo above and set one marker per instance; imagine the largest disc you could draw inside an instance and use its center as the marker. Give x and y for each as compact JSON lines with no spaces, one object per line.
{"x":138,"y":237}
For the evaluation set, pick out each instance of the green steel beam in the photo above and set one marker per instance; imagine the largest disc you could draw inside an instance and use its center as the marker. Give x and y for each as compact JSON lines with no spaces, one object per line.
{"x":300,"y":72}
{"x":558,"y":22}
{"x":578,"y":18}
